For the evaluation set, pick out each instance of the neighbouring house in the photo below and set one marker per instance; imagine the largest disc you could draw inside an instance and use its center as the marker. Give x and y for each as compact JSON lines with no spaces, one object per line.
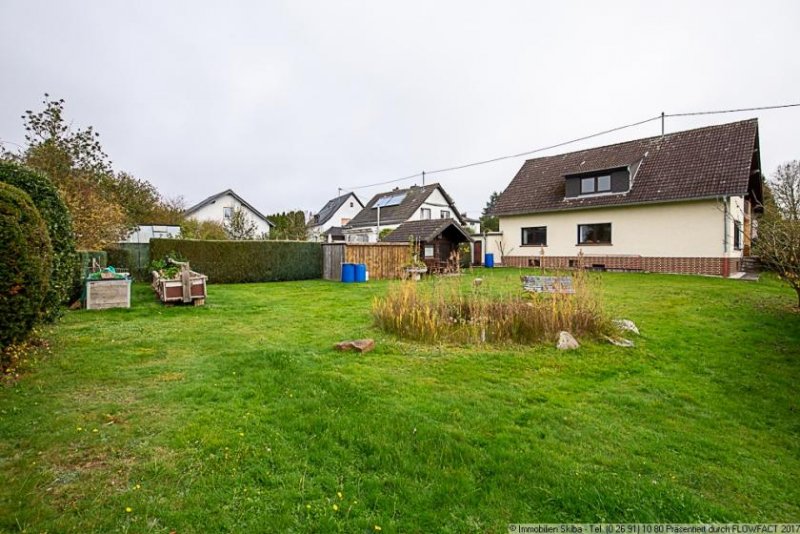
{"x":336,"y":213}
{"x":220,"y":208}
{"x":438,"y":241}
{"x":683,"y":202}
{"x":386,"y":211}
{"x":471,"y":225}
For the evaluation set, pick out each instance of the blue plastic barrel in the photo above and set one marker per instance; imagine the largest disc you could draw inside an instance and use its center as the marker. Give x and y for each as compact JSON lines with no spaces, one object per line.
{"x":348,"y":273}
{"x":489,"y":262}
{"x":361,"y":272}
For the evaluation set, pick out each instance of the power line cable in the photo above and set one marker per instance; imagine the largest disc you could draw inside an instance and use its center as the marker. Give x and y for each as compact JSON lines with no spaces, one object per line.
{"x":382,"y":183}
{"x":717,"y":112}
{"x":571,"y":141}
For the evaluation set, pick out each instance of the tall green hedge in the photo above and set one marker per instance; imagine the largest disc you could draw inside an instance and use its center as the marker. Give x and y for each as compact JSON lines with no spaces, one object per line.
{"x":25,"y":266}
{"x":231,"y":262}
{"x":59,"y":226}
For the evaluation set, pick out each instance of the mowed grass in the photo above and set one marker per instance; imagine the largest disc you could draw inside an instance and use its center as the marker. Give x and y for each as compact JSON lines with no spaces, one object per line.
{"x":239,"y":416}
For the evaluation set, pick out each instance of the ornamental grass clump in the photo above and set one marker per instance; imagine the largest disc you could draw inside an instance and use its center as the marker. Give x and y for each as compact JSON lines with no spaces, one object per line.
{"x":445,"y":311}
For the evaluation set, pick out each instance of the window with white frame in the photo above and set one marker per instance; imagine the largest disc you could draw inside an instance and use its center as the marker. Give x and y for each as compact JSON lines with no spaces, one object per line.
{"x":737,"y":235}
{"x":227,"y":213}
{"x":425,"y":213}
{"x":445,"y":214}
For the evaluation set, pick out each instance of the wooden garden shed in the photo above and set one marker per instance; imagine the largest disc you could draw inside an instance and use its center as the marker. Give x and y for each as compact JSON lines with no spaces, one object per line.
{"x":438,"y":239}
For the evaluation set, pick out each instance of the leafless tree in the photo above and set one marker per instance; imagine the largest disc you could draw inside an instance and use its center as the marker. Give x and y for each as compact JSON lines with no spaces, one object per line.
{"x":785,"y":186}
{"x":778,"y":247}
{"x":778,"y":243}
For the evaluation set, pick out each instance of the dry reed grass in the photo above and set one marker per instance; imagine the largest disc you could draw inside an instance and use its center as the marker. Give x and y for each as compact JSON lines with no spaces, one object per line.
{"x":445,"y":311}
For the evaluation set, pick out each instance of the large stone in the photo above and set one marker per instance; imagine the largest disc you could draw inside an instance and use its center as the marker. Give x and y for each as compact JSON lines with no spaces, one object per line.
{"x":358,"y":345}
{"x":619,"y":342}
{"x":566,"y":341}
{"x":626,"y":326}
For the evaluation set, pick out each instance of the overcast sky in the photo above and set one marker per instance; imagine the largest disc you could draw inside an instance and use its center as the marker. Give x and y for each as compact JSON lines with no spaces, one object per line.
{"x":284,"y":102}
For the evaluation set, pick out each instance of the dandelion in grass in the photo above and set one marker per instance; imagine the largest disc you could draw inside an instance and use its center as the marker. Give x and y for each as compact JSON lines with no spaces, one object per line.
{"x":339,"y":494}
{"x":377,"y":528}
{"x":308,"y":507}
{"x":335,"y":507}
{"x":128,"y":509}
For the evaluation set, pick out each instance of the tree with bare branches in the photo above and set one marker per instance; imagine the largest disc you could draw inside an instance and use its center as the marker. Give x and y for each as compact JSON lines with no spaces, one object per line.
{"x":778,"y":242}
{"x":785,"y":187}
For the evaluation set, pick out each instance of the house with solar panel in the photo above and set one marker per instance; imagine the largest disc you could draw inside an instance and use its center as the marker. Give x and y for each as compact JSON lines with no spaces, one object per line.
{"x":388,"y":211}
{"x":684,"y":202}
{"x":326,"y":225}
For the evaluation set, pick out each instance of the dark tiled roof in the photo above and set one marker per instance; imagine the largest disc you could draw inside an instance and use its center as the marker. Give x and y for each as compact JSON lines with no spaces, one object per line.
{"x":334,"y":231}
{"x":415,"y":196}
{"x":330,"y":208}
{"x":230,"y":192}
{"x":425,"y":230}
{"x":701,"y":163}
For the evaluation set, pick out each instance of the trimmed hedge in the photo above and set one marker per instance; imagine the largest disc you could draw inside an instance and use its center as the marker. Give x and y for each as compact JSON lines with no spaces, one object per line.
{"x":25,"y":267}
{"x":232,"y":262}
{"x":59,"y":226}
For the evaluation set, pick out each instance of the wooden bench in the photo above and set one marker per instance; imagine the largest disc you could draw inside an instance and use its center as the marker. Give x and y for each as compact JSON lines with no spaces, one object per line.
{"x":548,"y":284}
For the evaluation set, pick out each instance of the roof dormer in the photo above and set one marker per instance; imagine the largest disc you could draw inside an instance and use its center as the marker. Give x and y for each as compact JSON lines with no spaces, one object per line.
{"x":598,"y":182}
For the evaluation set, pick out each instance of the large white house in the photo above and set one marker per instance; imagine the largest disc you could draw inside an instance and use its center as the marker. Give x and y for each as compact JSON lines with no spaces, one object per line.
{"x":682,"y":203}
{"x":220,"y":208}
{"x":326,"y":225}
{"x":388,"y":210}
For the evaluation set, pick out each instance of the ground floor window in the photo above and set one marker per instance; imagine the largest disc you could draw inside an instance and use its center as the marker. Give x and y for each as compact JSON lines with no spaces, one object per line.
{"x":737,"y":235}
{"x":594,"y":234}
{"x":535,"y":235}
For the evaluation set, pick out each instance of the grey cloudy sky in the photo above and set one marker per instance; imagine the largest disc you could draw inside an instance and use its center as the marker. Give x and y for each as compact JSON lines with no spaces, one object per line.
{"x":286,"y":101}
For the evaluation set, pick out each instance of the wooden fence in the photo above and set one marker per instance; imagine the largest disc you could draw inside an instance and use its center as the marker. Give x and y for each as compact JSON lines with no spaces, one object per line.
{"x":383,"y":260}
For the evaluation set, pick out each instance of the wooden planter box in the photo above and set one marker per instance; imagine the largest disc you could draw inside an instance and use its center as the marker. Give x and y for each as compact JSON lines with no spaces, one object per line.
{"x":104,"y":294}
{"x":189,"y":287}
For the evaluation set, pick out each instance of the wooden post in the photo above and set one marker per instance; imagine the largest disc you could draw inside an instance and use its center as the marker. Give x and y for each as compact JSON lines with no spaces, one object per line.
{"x":186,"y":283}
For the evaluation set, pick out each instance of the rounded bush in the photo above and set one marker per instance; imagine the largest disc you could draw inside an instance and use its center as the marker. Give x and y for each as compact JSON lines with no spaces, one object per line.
{"x":59,"y":227}
{"x":25,"y":265}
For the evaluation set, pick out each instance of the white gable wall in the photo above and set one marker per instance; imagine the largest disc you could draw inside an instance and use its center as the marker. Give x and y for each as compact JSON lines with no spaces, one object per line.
{"x":215,"y":211}
{"x":436,"y":202}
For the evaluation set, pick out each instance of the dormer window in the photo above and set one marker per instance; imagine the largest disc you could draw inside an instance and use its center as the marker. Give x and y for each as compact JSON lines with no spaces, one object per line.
{"x":597,"y":183}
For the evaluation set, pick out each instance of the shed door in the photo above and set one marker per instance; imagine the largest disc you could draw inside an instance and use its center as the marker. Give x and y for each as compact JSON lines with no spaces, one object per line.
{"x":477,"y":252}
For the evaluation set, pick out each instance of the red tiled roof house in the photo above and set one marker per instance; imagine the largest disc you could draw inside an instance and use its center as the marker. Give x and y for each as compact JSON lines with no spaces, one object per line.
{"x":681,"y":203}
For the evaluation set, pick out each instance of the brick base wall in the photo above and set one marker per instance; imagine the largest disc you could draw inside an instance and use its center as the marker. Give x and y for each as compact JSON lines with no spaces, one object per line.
{"x":709,"y":266}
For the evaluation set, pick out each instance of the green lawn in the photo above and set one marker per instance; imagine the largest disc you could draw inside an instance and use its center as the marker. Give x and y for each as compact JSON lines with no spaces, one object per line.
{"x":239,"y":416}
